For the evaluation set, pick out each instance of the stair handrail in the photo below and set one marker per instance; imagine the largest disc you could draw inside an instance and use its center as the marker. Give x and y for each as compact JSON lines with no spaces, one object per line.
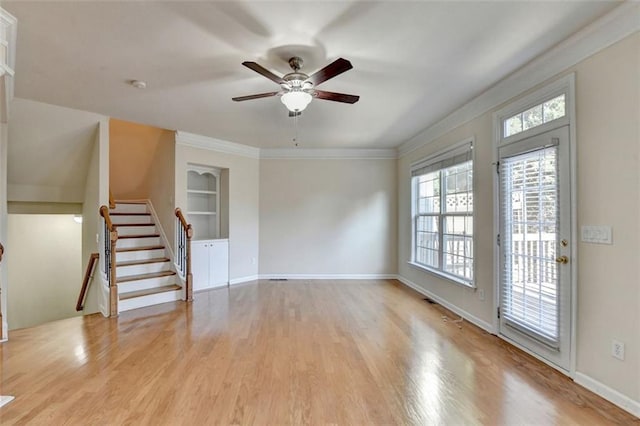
{"x":110,"y":239}
{"x":184,"y":233}
{"x":1,"y":251}
{"x":88,"y":274}
{"x":112,"y":201}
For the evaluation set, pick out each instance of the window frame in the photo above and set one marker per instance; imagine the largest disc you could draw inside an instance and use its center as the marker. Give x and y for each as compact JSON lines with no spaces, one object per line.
{"x":442,"y":155}
{"x":560,"y":87}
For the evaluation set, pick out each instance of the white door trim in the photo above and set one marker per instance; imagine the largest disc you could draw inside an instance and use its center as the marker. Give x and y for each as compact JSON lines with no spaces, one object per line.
{"x":565,"y":85}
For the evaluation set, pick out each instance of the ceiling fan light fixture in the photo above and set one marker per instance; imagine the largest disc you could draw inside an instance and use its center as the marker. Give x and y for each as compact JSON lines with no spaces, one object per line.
{"x":296,"y":100}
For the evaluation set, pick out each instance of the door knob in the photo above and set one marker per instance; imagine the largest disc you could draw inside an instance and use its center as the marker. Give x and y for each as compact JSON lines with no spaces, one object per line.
{"x":562,"y":259}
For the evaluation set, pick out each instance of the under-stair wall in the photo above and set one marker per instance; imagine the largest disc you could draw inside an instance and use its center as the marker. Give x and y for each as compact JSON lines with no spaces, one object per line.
{"x":96,"y":193}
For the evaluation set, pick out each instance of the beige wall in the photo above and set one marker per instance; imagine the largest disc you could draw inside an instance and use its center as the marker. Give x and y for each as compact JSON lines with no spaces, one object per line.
{"x":328,"y":217}
{"x":22,"y":207}
{"x":132,"y":152}
{"x":162,"y":184}
{"x":608,"y":137}
{"x":608,"y":148}
{"x":48,"y":292}
{"x":142,"y":166}
{"x":243,"y":203}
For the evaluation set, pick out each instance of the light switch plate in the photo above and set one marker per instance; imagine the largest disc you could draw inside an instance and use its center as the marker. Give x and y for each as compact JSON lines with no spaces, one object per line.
{"x":597,"y":234}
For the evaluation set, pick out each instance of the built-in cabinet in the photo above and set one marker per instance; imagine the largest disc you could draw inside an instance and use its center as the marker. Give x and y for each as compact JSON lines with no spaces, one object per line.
{"x":203,"y":201}
{"x":209,"y":252}
{"x":210,"y":263}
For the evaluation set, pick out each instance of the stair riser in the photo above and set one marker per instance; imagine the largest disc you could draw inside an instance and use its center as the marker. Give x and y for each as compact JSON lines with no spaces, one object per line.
{"x":130,"y":208}
{"x":139,"y":255}
{"x":146,"y":284}
{"x":123,"y":271}
{"x":152,"y":299}
{"x":135,"y":230}
{"x":118,"y":220}
{"x":137,"y":242}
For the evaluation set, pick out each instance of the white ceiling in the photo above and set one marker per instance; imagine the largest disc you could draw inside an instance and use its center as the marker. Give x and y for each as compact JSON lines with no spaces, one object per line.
{"x":414,"y":62}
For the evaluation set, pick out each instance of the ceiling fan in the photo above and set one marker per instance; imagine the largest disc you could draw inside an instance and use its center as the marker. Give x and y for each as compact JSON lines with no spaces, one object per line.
{"x":298,"y":88}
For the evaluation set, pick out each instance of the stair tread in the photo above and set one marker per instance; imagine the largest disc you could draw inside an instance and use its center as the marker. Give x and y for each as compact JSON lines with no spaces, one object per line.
{"x":149,"y":291}
{"x":143,"y":262}
{"x":133,"y":224}
{"x":128,"y":214}
{"x":130,"y":202}
{"x":138,"y":277}
{"x":143,"y":248}
{"x":139,"y":236}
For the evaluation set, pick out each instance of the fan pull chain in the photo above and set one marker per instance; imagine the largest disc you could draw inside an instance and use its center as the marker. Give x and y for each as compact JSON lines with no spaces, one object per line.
{"x":295,"y":124}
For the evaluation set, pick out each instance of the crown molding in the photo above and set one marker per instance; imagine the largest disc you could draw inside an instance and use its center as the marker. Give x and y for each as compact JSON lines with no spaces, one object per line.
{"x":602,"y":33}
{"x":212,"y":144}
{"x":328,"y":154}
{"x":218,"y":145}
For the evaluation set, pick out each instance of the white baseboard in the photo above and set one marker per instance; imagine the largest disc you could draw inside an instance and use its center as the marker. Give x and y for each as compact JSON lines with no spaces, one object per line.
{"x":241,"y":280}
{"x":609,"y":394}
{"x":464,"y":314}
{"x":313,"y":277}
{"x":5,"y":399}
{"x":328,"y":276}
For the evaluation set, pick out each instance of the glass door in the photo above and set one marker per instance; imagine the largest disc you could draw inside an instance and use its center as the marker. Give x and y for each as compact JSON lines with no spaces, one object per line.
{"x":535,"y":252}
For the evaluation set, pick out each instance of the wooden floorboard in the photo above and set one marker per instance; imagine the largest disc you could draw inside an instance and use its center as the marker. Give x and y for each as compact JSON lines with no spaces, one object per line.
{"x":278,"y":353}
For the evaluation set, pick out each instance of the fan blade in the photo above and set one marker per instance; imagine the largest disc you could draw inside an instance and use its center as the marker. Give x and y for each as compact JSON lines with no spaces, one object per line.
{"x":258,"y":96}
{"x":295,"y":114}
{"x":336,"y":97}
{"x":263,"y":71}
{"x":333,"y":69}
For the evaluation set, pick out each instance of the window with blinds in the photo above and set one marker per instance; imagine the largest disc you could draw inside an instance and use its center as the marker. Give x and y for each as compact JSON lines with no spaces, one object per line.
{"x":530,"y":207}
{"x":442,"y":206}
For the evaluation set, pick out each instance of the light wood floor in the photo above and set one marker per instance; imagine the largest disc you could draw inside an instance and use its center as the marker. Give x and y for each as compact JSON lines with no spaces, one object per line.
{"x":296,"y":352}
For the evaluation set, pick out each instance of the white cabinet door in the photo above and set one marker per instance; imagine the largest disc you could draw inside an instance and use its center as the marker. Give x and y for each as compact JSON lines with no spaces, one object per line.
{"x":209,"y":263}
{"x":200,"y":264}
{"x":219,"y":262}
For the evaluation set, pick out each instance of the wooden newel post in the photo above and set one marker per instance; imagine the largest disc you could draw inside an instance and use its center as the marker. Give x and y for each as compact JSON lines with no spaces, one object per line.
{"x":113,"y":288}
{"x":189,"y":294}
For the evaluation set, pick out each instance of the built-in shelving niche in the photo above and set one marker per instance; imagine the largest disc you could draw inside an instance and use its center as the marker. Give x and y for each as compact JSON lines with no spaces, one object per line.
{"x":207,"y":202}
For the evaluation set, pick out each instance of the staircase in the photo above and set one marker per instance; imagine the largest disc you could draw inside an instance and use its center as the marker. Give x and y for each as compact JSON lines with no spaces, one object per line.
{"x":144,"y":274}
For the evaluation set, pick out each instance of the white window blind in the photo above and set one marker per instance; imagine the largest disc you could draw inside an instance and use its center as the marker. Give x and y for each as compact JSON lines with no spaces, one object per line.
{"x":452,"y":157}
{"x":530,"y":208}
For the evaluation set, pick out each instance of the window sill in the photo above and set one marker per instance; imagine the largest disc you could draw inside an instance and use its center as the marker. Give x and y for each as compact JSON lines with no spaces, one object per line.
{"x":443,"y":275}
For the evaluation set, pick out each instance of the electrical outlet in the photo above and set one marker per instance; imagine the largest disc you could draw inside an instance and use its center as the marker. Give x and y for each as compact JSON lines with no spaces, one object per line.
{"x":481,"y":294}
{"x":617,"y":350}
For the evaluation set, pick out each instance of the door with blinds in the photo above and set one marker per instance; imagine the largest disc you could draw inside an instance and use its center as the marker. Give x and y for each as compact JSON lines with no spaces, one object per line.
{"x":535,"y":245}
